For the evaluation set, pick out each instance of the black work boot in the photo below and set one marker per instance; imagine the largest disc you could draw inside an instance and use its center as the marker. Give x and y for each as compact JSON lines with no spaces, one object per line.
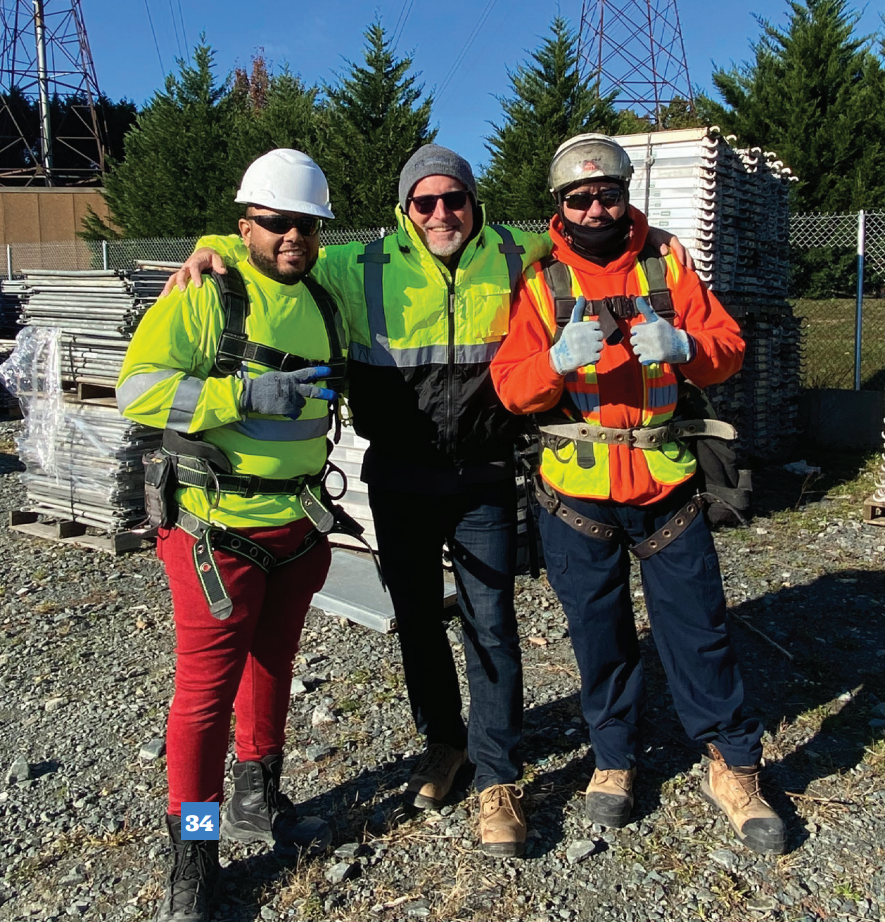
{"x":260,"y":812}
{"x":193,"y":879}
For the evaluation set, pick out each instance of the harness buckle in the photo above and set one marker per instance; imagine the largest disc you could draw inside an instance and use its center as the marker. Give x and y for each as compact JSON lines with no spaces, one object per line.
{"x":251,"y":486}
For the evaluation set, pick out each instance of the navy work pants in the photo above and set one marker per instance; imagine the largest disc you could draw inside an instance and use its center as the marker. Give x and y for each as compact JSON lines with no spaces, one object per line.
{"x":479,"y":526}
{"x":686,"y":605}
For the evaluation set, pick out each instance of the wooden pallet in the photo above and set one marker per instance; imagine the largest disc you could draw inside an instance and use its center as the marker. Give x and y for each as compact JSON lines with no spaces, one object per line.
{"x":874,"y":512}
{"x":65,"y":531}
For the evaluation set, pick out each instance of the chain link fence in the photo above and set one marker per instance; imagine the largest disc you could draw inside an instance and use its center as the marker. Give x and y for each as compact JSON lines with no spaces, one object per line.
{"x":841,"y":312}
{"x":824,"y":277}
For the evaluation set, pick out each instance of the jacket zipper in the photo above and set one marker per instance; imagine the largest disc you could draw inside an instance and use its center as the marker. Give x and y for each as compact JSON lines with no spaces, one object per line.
{"x":450,"y":374}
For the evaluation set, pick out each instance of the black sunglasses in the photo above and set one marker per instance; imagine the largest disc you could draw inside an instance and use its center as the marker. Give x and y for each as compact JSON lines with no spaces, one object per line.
{"x":582,"y":201}
{"x":280,"y":224}
{"x":426,"y":204}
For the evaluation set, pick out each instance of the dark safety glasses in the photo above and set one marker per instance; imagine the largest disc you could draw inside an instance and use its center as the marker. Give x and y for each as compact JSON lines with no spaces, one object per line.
{"x":307,"y":225}
{"x":581,"y":201}
{"x":426,"y":204}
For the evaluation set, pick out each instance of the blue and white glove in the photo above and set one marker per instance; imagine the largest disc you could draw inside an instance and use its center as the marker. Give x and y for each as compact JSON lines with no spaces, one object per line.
{"x":284,"y":393}
{"x":580,"y":344}
{"x":656,"y":341}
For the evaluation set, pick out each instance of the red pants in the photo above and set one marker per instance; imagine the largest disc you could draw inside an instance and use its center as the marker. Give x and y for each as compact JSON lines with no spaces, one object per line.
{"x":243,"y":663}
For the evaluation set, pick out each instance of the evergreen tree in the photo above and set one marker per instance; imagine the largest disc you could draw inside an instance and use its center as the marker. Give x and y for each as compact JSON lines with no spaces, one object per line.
{"x":272,"y":110}
{"x":373,"y":123}
{"x":177,"y":178}
{"x":549,"y":104}
{"x":813,"y":94}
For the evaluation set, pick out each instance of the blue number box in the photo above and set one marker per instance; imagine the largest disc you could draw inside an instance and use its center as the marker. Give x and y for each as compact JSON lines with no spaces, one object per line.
{"x":199,"y":821}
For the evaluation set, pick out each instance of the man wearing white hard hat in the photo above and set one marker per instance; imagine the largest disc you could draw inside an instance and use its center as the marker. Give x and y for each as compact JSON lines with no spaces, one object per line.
{"x":240,"y":375}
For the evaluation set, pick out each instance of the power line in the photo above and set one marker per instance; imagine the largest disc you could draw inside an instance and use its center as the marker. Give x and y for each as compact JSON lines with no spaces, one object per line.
{"x":156,"y":44}
{"x":402,"y":9}
{"x":483,"y":16}
{"x":183,"y":35}
{"x":175,"y":30}
{"x":398,"y":36}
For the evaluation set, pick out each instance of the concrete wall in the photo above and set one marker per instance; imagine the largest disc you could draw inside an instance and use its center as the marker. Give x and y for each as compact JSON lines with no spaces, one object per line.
{"x":30,"y":215}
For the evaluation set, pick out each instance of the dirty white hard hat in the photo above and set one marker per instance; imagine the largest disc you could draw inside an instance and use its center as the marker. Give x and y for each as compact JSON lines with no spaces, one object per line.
{"x":286,"y":180}
{"x":587,"y":157}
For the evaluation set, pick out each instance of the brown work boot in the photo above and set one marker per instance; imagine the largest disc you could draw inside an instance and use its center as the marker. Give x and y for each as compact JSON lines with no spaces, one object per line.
{"x":502,"y":827}
{"x":609,"y":796}
{"x":434,"y":776}
{"x":735,"y":790}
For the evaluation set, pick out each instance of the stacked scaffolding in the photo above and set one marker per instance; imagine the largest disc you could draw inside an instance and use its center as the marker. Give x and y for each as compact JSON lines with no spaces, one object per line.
{"x":730,"y":209}
{"x":82,"y":459}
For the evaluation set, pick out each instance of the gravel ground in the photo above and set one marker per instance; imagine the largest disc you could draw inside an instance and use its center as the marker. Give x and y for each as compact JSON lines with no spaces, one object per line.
{"x":86,"y":675}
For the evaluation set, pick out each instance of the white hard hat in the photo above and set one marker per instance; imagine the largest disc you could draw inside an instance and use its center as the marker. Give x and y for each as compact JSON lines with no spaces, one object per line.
{"x":286,"y":180}
{"x":586,"y":157}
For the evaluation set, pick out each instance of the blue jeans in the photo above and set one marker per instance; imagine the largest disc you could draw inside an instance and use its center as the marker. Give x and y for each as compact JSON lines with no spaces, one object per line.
{"x":479,"y":526}
{"x":686,"y":606}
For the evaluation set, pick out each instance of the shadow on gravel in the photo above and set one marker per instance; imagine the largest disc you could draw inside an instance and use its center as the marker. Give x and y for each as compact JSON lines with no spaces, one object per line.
{"x":817,"y":707}
{"x":10,"y":464}
{"x":776,"y":489}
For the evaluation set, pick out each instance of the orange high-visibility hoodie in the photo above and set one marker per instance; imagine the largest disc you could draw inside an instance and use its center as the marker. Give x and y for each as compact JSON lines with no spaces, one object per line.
{"x":526,"y":383}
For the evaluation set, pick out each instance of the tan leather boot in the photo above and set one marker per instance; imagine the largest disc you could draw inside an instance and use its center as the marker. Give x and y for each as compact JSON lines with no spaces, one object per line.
{"x":735,"y":790}
{"x":434,"y":776}
{"x":502,"y":826}
{"x":609,"y":797}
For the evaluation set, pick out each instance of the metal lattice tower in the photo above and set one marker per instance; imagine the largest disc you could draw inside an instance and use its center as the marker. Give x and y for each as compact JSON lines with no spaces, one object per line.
{"x":50,"y":130}
{"x":636,"y":48}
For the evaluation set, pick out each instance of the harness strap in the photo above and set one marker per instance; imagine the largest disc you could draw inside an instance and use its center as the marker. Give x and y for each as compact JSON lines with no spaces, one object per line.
{"x":210,"y":538}
{"x":583,"y":524}
{"x":234,"y":346}
{"x":670,"y":530}
{"x":247,"y":485}
{"x":558,"y":277}
{"x":664,"y":536}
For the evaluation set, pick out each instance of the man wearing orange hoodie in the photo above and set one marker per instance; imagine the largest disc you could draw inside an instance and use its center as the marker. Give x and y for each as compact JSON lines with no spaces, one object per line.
{"x":600,"y":335}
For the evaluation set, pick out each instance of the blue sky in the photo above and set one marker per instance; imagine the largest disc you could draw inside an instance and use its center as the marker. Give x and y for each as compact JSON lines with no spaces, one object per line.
{"x":316,"y":39}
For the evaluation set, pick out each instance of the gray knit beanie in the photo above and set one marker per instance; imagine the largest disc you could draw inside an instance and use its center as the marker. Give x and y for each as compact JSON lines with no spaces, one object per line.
{"x":433,"y":160}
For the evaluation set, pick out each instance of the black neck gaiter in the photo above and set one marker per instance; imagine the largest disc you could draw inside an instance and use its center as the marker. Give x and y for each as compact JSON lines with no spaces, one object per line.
{"x":598,"y":244}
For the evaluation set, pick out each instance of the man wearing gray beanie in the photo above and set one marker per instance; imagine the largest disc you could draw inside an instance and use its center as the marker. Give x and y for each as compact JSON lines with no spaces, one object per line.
{"x":427,"y":307}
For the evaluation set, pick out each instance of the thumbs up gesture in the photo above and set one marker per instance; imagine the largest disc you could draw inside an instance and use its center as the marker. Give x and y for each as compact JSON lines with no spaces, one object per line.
{"x":655,"y":340}
{"x":580,"y":343}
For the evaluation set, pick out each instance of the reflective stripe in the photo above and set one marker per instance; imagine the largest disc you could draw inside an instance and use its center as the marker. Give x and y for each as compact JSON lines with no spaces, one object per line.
{"x":280,"y":430}
{"x":663,"y":396}
{"x":373,"y":261}
{"x":184,"y":404}
{"x":586,"y":401}
{"x":511,"y":252}
{"x":476,"y":354}
{"x":132,"y":388}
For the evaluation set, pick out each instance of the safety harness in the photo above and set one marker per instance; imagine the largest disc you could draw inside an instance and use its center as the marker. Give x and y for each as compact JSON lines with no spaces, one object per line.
{"x":556,"y":432}
{"x":188,"y":461}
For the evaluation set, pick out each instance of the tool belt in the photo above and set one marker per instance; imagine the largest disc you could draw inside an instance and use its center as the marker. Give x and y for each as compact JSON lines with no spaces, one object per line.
{"x":664,"y":536}
{"x":555,"y":431}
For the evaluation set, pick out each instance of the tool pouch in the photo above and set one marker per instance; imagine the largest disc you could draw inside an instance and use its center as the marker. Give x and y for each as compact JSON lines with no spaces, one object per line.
{"x":159,"y":488}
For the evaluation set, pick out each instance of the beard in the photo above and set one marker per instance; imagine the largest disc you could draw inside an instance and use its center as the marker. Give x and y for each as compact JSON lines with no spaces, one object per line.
{"x":266,"y":264}
{"x":449,"y":248}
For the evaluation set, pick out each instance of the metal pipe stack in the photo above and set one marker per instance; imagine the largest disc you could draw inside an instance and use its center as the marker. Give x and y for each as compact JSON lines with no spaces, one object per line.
{"x":730,"y":208}
{"x":92,"y":472}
